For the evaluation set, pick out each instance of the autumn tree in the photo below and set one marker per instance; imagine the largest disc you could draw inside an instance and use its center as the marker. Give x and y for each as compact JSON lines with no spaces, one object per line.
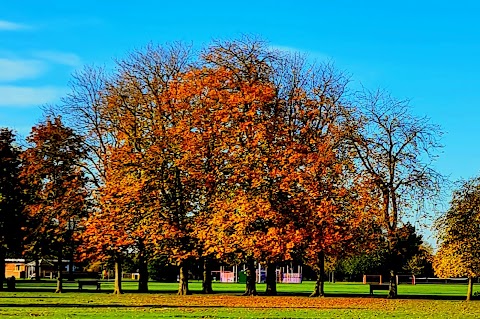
{"x":183,"y":157}
{"x":251,"y":219}
{"x":328,"y":198}
{"x":317,"y":187}
{"x":183,"y":182}
{"x":458,"y":233}
{"x":86,"y":109}
{"x":286,"y":151}
{"x":121,"y":114}
{"x":11,"y":203}
{"x":203,"y":94}
{"x":107,"y":231}
{"x":56,"y":185}
{"x":146,"y":109}
{"x":396,"y":149}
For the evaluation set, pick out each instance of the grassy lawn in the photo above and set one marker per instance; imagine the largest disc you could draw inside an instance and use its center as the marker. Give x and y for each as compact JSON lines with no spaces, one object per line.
{"x":344,"y":300}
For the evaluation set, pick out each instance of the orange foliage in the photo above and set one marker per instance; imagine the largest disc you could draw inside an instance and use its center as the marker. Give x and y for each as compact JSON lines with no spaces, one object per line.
{"x":218,"y":159}
{"x":52,"y":174}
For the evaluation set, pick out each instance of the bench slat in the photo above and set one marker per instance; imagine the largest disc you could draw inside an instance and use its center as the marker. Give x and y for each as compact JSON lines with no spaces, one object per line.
{"x":82,"y":283}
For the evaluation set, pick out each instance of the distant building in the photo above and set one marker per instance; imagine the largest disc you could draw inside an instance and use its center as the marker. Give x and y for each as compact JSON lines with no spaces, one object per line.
{"x":48,"y":268}
{"x":15,"y":267}
{"x":18,"y":268}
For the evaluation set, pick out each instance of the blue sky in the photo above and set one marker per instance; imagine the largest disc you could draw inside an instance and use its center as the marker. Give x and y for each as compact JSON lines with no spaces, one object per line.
{"x":426,"y":51}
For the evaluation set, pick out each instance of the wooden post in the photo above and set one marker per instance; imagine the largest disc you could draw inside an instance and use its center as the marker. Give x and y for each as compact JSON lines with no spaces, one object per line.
{"x":259,"y":275}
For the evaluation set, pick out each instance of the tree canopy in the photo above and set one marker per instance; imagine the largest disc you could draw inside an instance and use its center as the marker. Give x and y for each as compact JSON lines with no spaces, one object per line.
{"x":52,"y":173}
{"x":238,"y":154}
{"x":459,"y":235}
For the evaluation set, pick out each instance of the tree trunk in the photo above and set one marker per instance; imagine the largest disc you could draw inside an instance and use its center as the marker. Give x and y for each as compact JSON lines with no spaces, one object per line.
{"x":319,"y":290}
{"x":37,"y":269}
{"x":391,"y":219}
{"x":271,"y":280}
{"x":392,"y":290}
{"x":394,"y":213}
{"x":470,"y":288}
{"x":143,"y":272}
{"x":392,"y":263}
{"x":70,"y":263}
{"x":2,"y":268}
{"x":251,"y":287}
{"x":59,"y":273}
{"x":117,"y":289}
{"x":207,"y":277}
{"x":183,"y":279}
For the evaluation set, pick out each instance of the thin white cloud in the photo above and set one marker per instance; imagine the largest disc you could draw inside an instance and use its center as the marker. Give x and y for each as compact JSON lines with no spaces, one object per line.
{"x":17,"y":69}
{"x":286,"y":49}
{"x":11,"y":26}
{"x":65,"y":58}
{"x":320,"y":56}
{"x":13,"y":68}
{"x":22,"y":96}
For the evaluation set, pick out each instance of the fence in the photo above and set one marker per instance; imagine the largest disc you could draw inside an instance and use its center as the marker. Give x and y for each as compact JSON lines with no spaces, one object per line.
{"x":292,"y":278}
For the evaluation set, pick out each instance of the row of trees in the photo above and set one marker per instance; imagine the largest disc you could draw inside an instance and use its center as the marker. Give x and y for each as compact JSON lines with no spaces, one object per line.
{"x":238,"y":154}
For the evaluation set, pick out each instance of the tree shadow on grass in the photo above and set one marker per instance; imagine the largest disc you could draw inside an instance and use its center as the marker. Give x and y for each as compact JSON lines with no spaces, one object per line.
{"x":159,"y":306}
{"x":52,"y":290}
{"x":365,"y":295}
{"x":399,"y":297}
{"x":28,"y":297}
{"x":230,"y":293}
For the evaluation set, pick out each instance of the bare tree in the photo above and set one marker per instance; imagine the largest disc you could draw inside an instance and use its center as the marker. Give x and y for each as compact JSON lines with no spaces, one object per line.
{"x":82,"y":110}
{"x":397,"y":149}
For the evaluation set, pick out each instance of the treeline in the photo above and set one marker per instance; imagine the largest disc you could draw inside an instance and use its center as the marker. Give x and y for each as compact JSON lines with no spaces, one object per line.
{"x":237,"y":154}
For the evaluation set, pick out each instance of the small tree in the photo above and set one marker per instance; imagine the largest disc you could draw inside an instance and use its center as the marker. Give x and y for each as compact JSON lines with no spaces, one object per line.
{"x":51,"y":172}
{"x":459,"y":235}
{"x":396,"y":149}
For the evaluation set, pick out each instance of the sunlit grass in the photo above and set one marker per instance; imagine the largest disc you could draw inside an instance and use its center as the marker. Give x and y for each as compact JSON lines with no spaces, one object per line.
{"x":344,"y":300}
{"x":339,"y":288}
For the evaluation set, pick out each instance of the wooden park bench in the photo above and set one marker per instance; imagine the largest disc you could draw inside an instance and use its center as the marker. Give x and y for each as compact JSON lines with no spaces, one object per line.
{"x":378,"y":287}
{"x":82,"y":283}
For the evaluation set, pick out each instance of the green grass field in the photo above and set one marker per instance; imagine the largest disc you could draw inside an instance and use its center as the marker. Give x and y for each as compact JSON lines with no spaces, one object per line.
{"x":344,"y":300}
